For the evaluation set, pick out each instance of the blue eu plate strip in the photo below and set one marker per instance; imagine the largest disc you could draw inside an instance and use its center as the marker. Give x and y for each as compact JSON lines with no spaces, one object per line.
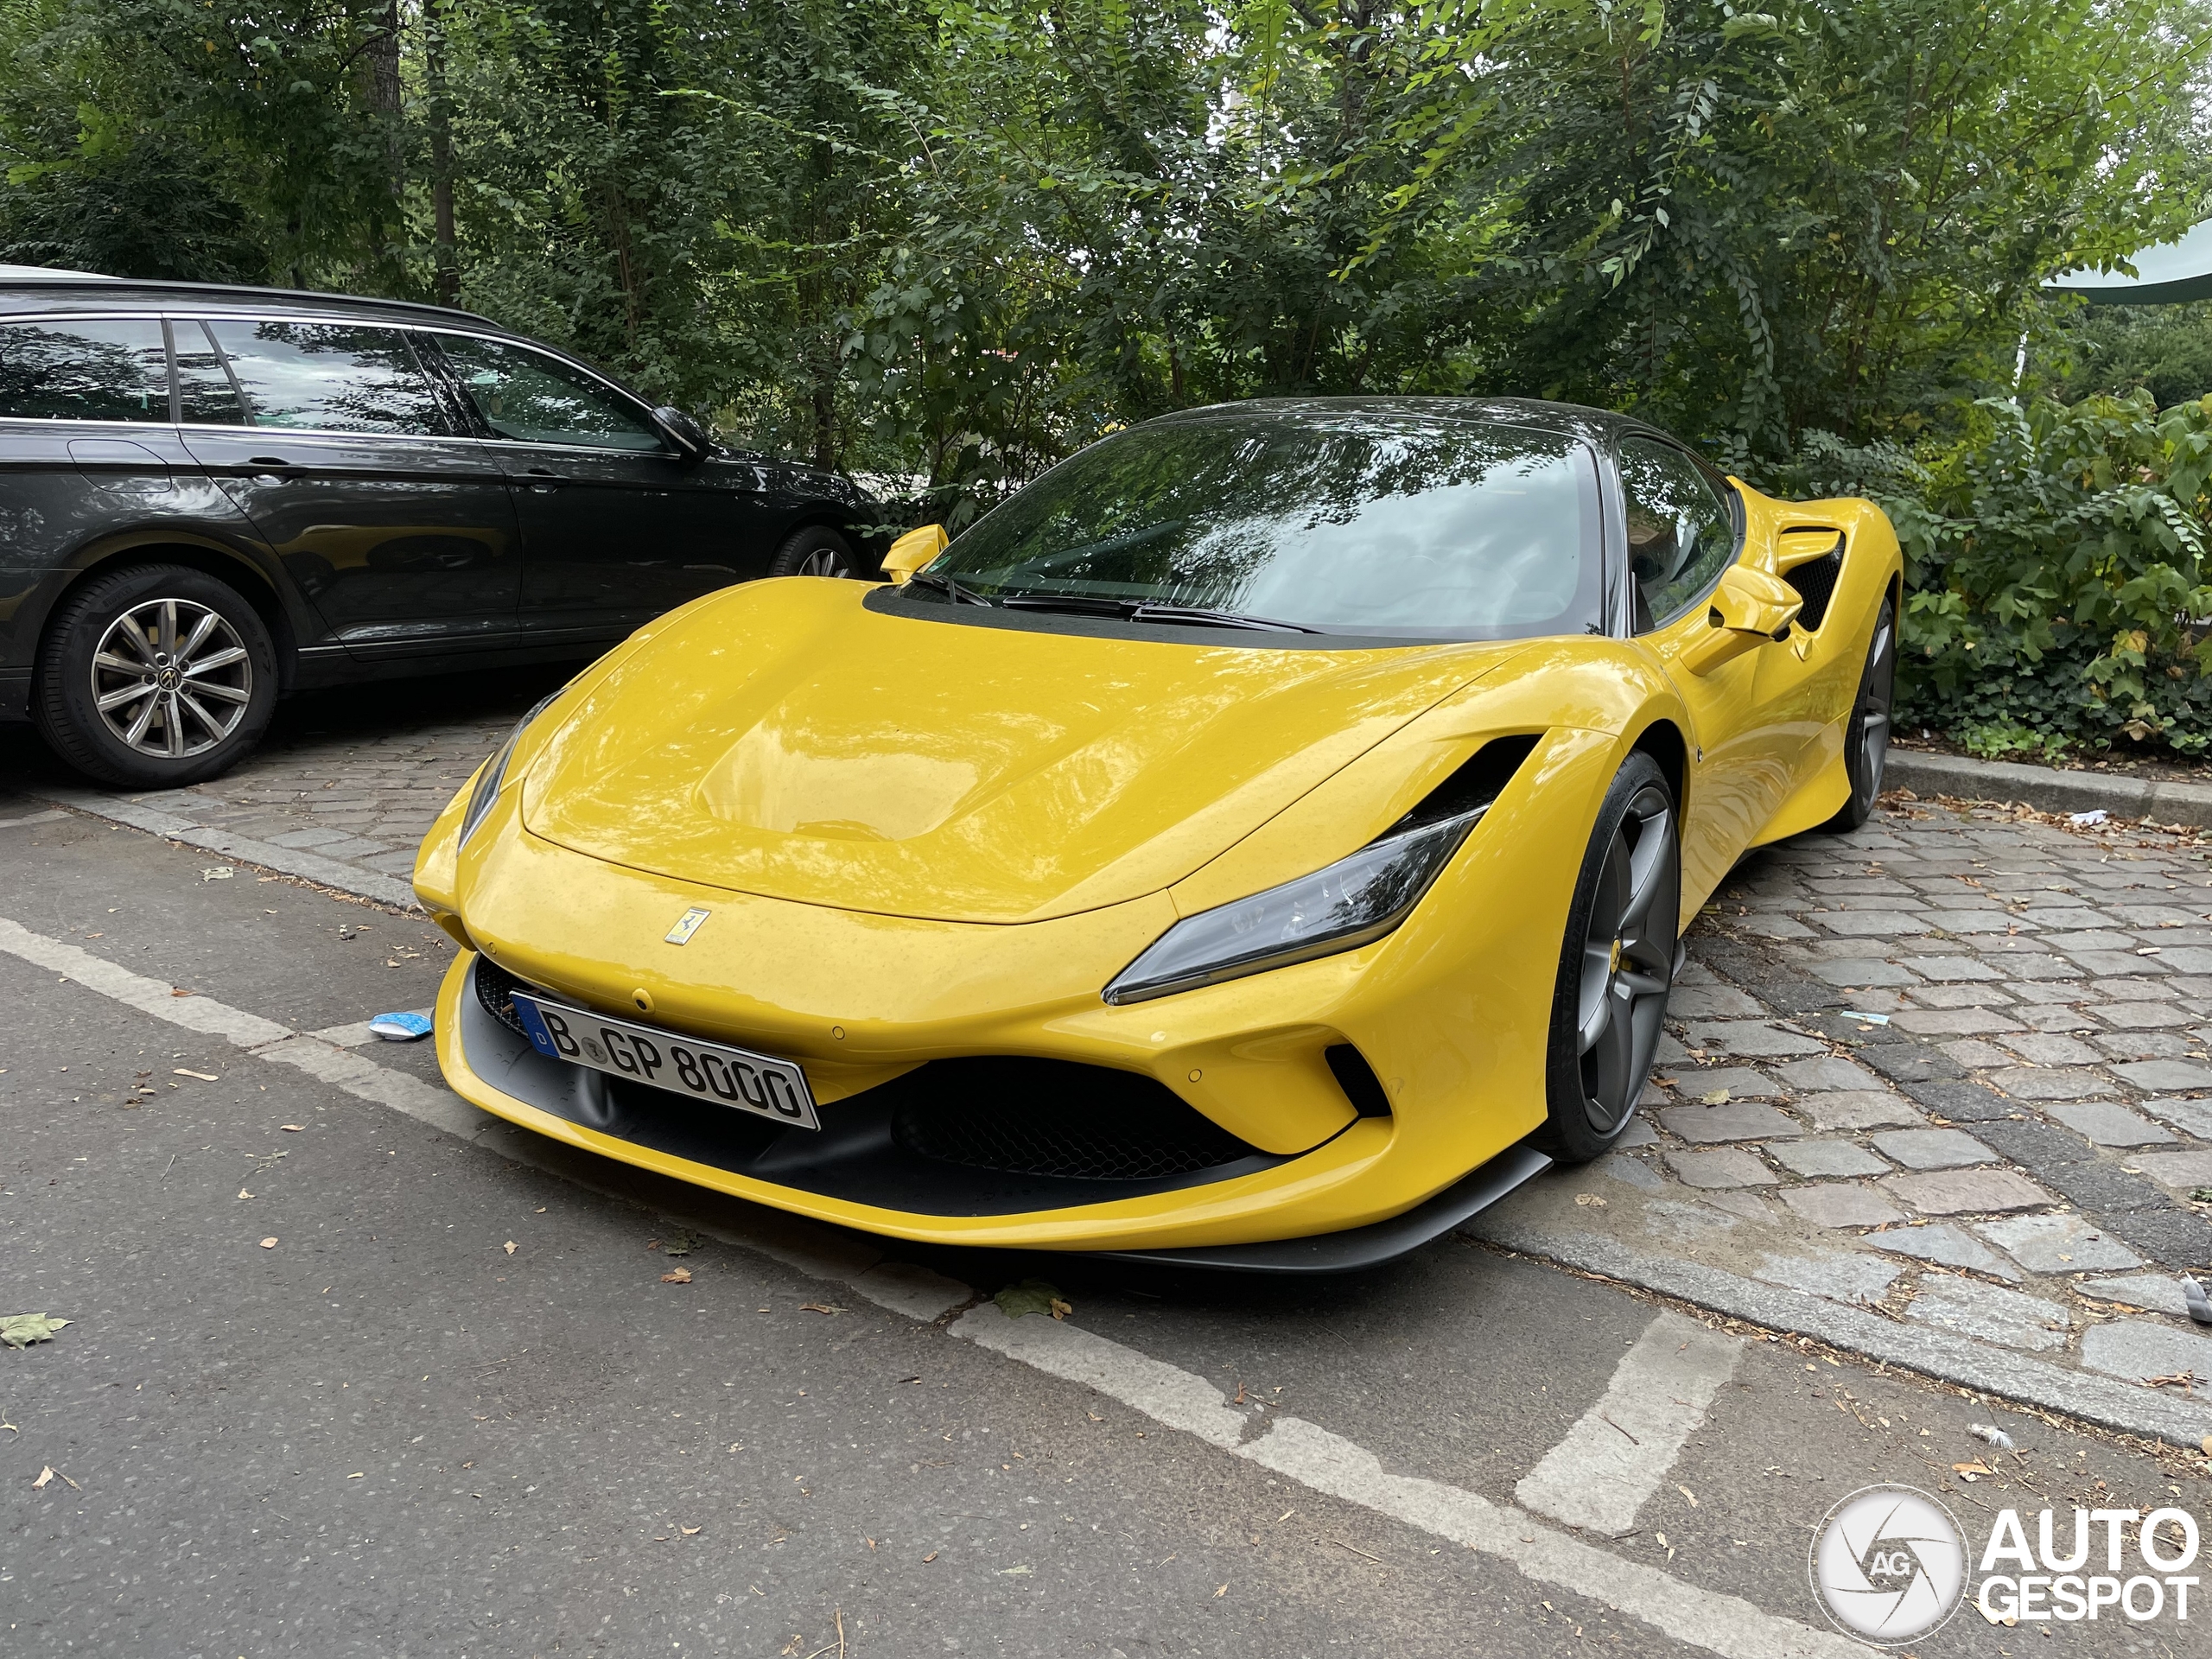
{"x":533,"y":1024}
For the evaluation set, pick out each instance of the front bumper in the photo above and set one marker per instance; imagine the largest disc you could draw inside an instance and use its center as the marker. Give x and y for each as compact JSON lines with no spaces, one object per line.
{"x":1450,"y":1012}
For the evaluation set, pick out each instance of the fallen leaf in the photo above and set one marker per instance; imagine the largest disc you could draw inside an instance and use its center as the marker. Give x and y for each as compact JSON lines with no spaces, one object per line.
{"x":20,"y":1329}
{"x":678,"y":1244}
{"x":44,"y":1477}
{"x":829,"y":1308}
{"x":187,"y":1071}
{"x":357,"y":1475}
{"x":244,"y":1193}
{"x":1219,"y":1593}
{"x":269,"y":1244}
{"x":293,"y":1128}
{"x":220,"y":872}
{"x":509,"y":1247}
{"x":689,"y":1532}
{"x":180,"y":991}
{"x":677,"y":1276}
{"x":1015,"y":1571}
{"x":1589,"y":1201}
{"x":1032,"y":1296}
{"x":2183,"y":1380}
{"x":927,"y":1558}
{"x":1690,"y":1495}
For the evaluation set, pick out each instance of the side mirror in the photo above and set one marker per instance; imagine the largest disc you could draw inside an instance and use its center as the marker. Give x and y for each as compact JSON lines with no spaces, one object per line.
{"x":689,"y":439}
{"x":914,"y":550}
{"x":1749,"y":609}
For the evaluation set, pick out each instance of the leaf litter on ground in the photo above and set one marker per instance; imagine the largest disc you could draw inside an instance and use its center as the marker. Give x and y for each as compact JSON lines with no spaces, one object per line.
{"x":20,"y":1329}
{"x":1032,"y":1296}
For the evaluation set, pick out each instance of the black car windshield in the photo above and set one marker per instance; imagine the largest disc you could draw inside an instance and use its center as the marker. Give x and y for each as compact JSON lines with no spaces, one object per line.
{"x":1363,"y":523}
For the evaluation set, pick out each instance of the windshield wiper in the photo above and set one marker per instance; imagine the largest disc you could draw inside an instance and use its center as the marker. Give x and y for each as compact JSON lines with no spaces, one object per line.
{"x":1076,"y":604}
{"x":943,"y":582}
{"x":1145,"y":610}
{"x":1197,"y":616}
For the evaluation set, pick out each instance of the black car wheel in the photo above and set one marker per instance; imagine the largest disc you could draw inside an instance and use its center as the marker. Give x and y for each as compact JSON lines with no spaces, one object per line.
{"x":156,"y":676}
{"x":1616,"y":966}
{"x":815,"y":550}
{"x":1866,"y":738}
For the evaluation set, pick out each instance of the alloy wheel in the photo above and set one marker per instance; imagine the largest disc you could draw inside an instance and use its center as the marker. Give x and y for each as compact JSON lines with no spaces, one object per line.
{"x":1872,"y":734}
{"x":171,"y":678}
{"x":1628,"y":960}
{"x":824,"y":562}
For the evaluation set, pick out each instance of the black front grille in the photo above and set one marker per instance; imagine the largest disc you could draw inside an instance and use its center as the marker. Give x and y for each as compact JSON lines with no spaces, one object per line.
{"x":1057,"y":1118}
{"x":1815,"y":584}
{"x":494,"y":988}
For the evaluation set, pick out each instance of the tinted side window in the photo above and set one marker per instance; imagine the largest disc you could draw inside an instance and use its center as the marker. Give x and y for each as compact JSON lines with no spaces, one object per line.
{"x":330,"y":376}
{"x":205,"y":395}
{"x":115,"y":371}
{"x":533,"y":398}
{"x":1680,"y":534}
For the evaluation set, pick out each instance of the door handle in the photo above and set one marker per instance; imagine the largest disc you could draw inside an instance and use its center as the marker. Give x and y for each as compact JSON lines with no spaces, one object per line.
{"x":544,"y":479}
{"x":273,"y":466}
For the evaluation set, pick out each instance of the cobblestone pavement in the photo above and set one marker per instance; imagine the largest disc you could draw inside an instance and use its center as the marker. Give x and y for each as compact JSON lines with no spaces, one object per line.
{"x":355,"y":776}
{"x":1951,"y":1069}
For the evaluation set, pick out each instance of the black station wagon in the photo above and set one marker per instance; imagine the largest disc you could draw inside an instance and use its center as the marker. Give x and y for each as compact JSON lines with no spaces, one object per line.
{"x":211,"y":497}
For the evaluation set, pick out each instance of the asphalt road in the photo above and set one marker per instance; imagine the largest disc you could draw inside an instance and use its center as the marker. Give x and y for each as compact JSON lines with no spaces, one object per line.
{"x":456,"y":1408}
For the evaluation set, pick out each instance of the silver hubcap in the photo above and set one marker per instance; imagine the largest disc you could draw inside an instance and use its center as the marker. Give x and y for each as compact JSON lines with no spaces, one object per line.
{"x":171,"y":678}
{"x":823,"y":561}
{"x":1628,"y":961}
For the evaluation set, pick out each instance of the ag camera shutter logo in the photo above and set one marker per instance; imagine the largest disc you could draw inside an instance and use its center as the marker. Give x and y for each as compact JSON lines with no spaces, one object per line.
{"x":1889,"y":1564}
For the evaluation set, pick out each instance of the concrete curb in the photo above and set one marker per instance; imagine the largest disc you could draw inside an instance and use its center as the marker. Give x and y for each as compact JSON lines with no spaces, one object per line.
{"x":2160,"y":800}
{"x":2003,"y":1373}
{"x":285,"y":861}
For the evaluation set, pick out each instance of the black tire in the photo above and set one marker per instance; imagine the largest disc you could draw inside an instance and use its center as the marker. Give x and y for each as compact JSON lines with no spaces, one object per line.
{"x":1866,"y":738}
{"x":201,"y":654}
{"x":1617,"y":966}
{"x":815,"y":550}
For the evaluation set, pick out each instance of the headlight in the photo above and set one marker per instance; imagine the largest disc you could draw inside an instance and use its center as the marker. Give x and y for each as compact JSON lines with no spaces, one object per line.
{"x":1353,"y":902}
{"x":495,"y":771}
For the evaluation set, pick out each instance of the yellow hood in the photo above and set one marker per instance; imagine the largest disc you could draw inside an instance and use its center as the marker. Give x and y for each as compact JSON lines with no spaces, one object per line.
{"x":784,"y":741}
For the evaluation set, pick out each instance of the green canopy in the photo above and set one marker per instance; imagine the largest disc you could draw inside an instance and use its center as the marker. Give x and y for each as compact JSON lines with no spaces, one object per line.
{"x":2169,"y":272}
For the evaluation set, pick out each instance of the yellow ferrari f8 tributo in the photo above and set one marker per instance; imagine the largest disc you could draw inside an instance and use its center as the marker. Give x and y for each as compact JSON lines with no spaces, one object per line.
{"x":1262,"y":842}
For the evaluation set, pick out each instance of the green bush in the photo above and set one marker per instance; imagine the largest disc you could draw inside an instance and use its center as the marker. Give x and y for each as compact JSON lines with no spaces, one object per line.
{"x":2058,"y":571}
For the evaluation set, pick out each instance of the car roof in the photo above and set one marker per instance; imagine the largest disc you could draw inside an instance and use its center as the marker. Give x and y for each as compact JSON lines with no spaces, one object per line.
{"x":30,"y":290}
{"x":1578,"y":420}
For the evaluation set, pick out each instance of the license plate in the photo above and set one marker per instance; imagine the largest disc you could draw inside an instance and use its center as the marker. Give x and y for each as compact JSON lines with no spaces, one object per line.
{"x":759,"y":1083}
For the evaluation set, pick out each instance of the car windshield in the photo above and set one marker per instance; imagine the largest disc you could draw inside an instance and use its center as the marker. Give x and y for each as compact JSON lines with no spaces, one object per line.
{"x":1427,"y":528}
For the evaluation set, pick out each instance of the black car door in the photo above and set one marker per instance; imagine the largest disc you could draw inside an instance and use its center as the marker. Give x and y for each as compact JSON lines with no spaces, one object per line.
{"x":335,"y":441}
{"x":617,"y":527}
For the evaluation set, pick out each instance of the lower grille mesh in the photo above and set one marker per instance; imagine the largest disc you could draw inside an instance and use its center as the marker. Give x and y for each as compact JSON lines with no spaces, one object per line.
{"x":1055,"y":1118}
{"x":494,"y":988}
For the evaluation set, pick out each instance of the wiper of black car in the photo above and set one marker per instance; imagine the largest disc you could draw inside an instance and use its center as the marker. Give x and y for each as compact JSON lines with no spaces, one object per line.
{"x":943,"y":582}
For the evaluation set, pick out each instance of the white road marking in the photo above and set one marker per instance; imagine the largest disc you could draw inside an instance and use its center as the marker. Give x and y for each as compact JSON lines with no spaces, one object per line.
{"x":1616,"y":1455}
{"x":201,"y":1013}
{"x":355,"y":1034}
{"x":1328,"y":1463}
{"x":1295,"y":1449}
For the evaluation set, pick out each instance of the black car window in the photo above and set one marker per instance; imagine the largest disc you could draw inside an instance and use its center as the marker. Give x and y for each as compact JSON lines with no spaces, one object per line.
{"x":113,"y":370}
{"x":1680,"y":533}
{"x":331,"y":376}
{"x":205,"y":394}
{"x":533,"y":398}
{"x":1342,"y":523}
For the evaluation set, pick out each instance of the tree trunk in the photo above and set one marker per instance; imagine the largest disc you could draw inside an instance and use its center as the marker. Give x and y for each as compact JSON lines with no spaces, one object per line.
{"x":446,"y":243}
